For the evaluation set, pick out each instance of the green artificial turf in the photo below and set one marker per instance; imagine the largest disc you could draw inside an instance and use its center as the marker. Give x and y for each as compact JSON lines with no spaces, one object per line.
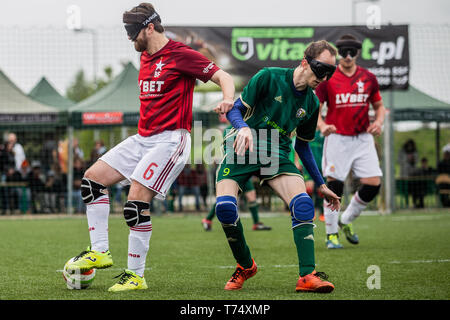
{"x":411,"y":250}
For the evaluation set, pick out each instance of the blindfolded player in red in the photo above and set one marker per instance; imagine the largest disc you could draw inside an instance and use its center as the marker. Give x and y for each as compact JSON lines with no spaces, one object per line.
{"x":349,"y":144}
{"x":153,"y":158}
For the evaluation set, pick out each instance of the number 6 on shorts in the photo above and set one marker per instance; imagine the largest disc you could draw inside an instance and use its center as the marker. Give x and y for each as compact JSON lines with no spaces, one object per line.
{"x":148,"y":174}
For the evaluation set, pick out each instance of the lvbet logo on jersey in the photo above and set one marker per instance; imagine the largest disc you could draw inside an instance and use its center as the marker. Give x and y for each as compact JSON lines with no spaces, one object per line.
{"x":150,"y":86}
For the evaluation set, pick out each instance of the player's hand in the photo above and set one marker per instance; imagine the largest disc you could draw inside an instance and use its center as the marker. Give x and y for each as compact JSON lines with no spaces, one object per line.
{"x":374,"y":128}
{"x":327,"y":129}
{"x":332,"y":199}
{"x":243,"y":141}
{"x":224,"y":106}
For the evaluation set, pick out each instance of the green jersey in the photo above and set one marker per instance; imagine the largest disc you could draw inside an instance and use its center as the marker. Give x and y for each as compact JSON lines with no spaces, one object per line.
{"x":272,"y":102}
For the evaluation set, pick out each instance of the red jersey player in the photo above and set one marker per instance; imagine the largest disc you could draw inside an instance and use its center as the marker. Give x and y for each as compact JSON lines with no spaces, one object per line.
{"x":349,"y":144}
{"x":152,"y":159}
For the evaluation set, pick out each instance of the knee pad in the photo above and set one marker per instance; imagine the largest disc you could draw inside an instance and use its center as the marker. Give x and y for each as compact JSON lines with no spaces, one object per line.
{"x":367,"y":192}
{"x":302,"y":209}
{"x":336,"y":186}
{"x":132,"y":212}
{"x":91,"y":190}
{"x":226,"y":210}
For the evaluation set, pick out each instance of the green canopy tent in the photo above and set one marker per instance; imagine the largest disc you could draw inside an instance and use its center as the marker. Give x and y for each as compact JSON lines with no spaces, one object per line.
{"x":20,"y":112}
{"x":45,"y":93}
{"x":408,"y":105}
{"x":115,"y":104}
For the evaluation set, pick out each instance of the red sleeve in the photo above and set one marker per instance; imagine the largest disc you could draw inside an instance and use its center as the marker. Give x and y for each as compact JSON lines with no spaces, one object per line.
{"x":322,"y":92}
{"x":375,"y":94}
{"x":196,"y":65}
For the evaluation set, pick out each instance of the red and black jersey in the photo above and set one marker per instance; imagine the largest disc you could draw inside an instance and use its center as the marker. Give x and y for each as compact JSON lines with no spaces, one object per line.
{"x":166,"y":80}
{"x":348,"y":100}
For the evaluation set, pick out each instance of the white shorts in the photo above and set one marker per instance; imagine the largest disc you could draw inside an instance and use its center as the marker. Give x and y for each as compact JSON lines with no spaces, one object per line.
{"x":344,"y":153}
{"x":154,"y":161}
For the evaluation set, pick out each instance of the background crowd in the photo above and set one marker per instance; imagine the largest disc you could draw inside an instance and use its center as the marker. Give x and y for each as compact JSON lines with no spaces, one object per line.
{"x":39,"y":185}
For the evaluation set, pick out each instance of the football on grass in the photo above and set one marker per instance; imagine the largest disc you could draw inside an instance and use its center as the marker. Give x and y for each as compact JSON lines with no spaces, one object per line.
{"x":78,"y":280}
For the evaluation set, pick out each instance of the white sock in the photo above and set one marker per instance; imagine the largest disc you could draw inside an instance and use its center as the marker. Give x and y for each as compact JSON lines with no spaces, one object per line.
{"x":353,"y":210}
{"x":138,"y":244}
{"x":331,"y":219}
{"x":97,"y":214}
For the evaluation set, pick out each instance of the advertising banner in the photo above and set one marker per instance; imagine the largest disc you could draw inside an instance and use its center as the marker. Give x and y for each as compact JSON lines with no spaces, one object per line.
{"x":242,"y":51}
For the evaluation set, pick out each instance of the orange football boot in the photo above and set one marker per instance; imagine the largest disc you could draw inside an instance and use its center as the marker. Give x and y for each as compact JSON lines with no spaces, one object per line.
{"x":313,"y":283}
{"x":240,"y":275}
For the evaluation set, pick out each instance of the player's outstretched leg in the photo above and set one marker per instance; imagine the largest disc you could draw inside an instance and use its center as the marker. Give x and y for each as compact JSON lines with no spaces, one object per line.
{"x":137,"y":217}
{"x":359,"y":202}
{"x":226,"y":210}
{"x":302,"y":212}
{"x":252,"y":204}
{"x":97,"y":256}
{"x":332,"y":217}
{"x":257,"y":225}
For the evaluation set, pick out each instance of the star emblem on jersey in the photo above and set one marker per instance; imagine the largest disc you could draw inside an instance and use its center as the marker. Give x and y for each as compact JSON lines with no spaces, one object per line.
{"x":360,"y":85}
{"x":158,"y":69}
{"x":279,"y":99}
{"x":300,"y":113}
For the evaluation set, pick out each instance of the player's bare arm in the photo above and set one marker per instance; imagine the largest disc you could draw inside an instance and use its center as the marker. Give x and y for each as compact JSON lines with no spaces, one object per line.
{"x":226,"y":83}
{"x":375,"y":127}
{"x":325,"y":129}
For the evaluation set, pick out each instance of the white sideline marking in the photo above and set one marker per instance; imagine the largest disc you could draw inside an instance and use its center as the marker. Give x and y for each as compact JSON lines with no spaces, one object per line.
{"x":427,"y":217}
{"x":259,"y":266}
{"x":420,"y":261}
{"x":112,"y":269}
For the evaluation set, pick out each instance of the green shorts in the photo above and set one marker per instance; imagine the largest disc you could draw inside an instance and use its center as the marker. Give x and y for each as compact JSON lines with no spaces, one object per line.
{"x":241,"y":173}
{"x":248,"y":186}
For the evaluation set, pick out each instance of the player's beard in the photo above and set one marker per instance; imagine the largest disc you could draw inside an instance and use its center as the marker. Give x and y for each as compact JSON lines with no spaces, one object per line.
{"x":140,"y":44}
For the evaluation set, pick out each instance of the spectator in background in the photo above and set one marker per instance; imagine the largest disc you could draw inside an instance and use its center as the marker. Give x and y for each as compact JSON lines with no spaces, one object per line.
{"x":13,"y":192}
{"x":19,"y":153}
{"x":443,"y":178}
{"x":188,"y":183}
{"x":49,"y":152}
{"x":60,"y":187}
{"x":98,"y":150}
{"x":50,"y":198}
{"x":6,"y":157}
{"x":419,"y":189}
{"x":78,"y":173}
{"x":7,"y":164}
{"x":203,"y":182}
{"x":63,"y":154}
{"x":407,"y":159}
{"x":36,"y":185}
{"x":77,"y":151}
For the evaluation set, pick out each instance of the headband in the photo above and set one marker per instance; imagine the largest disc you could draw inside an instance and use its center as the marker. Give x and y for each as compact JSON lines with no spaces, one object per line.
{"x":349,"y":43}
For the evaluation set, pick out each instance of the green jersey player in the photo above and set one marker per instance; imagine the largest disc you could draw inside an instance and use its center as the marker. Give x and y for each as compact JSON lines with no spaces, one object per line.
{"x":276,"y":103}
{"x":250,"y":195}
